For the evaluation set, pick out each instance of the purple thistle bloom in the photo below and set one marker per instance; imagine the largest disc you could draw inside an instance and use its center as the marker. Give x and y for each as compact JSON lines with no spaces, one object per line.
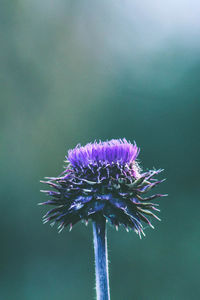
{"x":103,"y":179}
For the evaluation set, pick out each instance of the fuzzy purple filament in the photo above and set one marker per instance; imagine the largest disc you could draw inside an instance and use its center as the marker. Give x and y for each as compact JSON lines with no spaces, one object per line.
{"x":111,"y":152}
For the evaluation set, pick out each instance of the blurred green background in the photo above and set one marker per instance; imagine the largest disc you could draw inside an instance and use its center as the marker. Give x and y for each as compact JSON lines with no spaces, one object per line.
{"x":76,"y":71}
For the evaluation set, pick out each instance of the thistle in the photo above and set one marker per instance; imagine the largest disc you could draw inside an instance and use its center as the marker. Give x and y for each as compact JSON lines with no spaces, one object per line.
{"x":103,"y":182}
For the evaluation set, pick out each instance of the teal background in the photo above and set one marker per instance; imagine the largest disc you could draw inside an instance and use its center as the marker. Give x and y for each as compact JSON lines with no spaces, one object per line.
{"x":76,"y":71}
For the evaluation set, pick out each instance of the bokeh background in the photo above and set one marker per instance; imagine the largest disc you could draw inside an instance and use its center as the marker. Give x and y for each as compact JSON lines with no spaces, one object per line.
{"x":76,"y":71}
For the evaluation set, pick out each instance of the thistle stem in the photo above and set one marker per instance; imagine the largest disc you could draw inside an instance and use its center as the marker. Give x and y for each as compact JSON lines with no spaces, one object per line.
{"x":101,"y":259}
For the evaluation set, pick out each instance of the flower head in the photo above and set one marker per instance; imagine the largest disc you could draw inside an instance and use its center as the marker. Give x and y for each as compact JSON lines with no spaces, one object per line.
{"x":103,"y":179}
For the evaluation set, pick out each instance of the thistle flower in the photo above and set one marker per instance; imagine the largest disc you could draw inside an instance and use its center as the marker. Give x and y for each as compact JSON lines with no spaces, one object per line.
{"x":103,"y":179}
{"x":103,"y":182}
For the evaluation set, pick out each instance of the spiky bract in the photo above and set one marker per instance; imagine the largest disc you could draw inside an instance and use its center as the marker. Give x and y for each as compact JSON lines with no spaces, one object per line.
{"x":103,"y":179}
